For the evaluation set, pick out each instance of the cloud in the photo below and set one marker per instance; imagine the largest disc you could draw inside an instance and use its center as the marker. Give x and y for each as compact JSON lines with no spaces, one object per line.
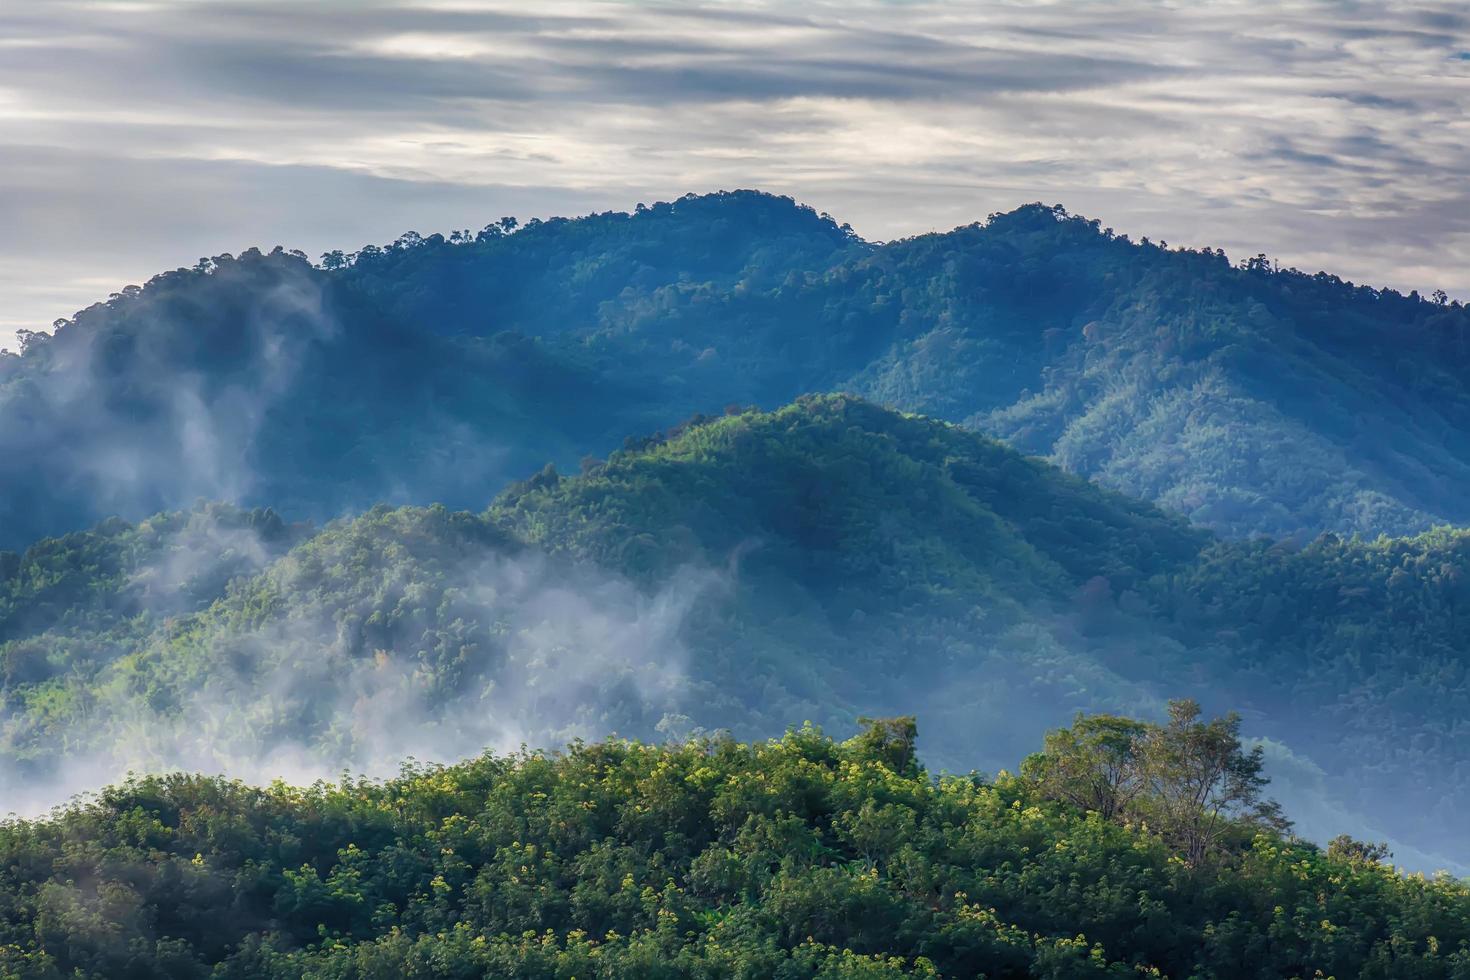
{"x":1332,"y":135}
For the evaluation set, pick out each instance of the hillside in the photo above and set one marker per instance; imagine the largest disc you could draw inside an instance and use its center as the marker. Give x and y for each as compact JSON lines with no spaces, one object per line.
{"x":1250,"y":399}
{"x":823,"y":561}
{"x":744,"y":569}
{"x":799,"y":857}
{"x":261,"y":379}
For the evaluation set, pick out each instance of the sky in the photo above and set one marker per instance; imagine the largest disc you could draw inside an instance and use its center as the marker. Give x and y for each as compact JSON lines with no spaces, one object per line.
{"x":136,"y":137}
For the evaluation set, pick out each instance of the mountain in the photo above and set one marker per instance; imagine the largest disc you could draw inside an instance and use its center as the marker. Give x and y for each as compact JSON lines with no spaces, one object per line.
{"x":262,"y":379}
{"x":798,"y":857}
{"x":1252,"y":400}
{"x":823,"y":561}
{"x":740,"y":570}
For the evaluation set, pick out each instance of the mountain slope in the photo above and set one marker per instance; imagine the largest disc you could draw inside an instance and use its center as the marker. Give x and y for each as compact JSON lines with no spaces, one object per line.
{"x":747,"y":567}
{"x":260,"y":378}
{"x":823,"y":561}
{"x":1250,"y":399}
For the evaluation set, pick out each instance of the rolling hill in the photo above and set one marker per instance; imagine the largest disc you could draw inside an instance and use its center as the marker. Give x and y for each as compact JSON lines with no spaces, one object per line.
{"x":823,"y":561}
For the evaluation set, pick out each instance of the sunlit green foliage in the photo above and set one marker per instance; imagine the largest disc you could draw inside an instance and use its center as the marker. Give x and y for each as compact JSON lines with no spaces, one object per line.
{"x":795,"y":858}
{"x":1191,"y":781}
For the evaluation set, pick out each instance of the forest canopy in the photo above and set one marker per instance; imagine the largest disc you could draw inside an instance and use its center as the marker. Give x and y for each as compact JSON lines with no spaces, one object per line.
{"x":798,"y":857}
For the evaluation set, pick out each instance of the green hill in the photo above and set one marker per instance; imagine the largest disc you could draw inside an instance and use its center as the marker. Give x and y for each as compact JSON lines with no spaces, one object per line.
{"x":826,"y":560}
{"x":752,"y":566}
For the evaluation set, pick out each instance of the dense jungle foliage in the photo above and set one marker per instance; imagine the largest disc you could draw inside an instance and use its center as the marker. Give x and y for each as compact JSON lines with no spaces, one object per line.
{"x":823,"y":561}
{"x":1249,"y":398}
{"x":799,"y":857}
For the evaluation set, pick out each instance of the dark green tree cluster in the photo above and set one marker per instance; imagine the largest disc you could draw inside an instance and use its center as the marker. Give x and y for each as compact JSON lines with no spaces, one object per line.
{"x":800,"y":857}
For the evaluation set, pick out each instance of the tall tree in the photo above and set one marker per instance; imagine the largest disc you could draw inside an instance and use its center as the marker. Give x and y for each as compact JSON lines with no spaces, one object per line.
{"x":1094,"y":765}
{"x":1201,"y":783}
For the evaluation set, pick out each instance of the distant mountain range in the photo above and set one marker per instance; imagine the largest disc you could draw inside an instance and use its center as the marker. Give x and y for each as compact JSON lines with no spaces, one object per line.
{"x":1249,"y":399}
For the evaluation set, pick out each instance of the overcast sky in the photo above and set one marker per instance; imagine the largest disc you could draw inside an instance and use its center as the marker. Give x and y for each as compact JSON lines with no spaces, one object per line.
{"x":138,"y":136}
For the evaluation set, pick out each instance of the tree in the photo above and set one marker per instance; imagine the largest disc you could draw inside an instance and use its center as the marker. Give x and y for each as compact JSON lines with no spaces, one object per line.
{"x":1094,"y":765}
{"x":1200,"y":782}
{"x":890,"y":741}
{"x":1344,"y":847}
{"x":1189,"y":781}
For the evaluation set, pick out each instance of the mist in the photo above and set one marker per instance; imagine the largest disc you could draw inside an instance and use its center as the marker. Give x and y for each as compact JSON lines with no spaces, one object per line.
{"x":155,"y":398}
{"x":262,"y":381}
{"x":537,"y":652}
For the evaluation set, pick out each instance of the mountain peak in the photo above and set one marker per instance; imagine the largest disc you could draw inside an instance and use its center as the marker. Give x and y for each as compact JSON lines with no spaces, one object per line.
{"x":837,"y":479}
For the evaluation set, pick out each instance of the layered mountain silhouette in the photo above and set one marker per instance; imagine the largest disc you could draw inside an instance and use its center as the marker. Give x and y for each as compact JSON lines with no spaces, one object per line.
{"x":1249,"y":399}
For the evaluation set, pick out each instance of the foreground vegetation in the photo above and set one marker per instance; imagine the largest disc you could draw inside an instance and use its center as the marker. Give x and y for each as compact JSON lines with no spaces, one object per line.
{"x":794,"y":858}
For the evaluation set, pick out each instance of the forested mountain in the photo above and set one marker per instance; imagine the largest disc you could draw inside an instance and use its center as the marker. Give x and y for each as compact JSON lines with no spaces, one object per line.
{"x":436,"y":369}
{"x":823,"y":561}
{"x":798,"y":858}
{"x":1139,"y":474}
{"x":741,"y":571}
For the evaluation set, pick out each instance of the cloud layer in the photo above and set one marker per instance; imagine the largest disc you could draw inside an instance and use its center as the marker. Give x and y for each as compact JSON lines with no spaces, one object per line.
{"x":138,"y":136}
